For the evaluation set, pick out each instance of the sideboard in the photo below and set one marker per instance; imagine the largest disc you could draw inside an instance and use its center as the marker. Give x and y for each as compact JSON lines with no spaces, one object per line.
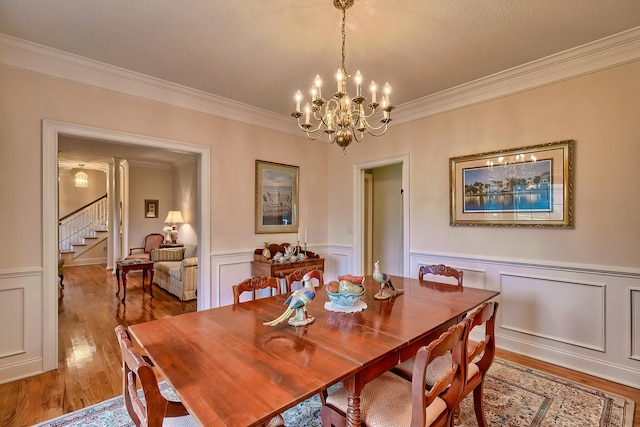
{"x":263,"y":266}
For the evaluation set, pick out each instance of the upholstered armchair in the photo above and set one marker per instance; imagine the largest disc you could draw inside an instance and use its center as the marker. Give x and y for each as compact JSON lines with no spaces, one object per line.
{"x":151,"y":241}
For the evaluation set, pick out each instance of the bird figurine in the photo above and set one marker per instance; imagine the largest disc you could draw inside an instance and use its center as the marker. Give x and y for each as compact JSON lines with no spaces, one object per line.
{"x":385,"y":281}
{"x":298,"y":302}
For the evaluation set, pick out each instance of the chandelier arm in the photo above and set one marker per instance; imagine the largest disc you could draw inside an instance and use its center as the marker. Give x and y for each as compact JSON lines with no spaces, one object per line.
{"x":332,"y":137}
{"x":355,"y":133}
{"x":365,"y":116}
{"x":308,"y":129}
{"x":375,"y":128}
{"x":384,"y":128}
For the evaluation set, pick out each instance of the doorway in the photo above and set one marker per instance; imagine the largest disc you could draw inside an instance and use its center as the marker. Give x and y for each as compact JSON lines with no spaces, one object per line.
{"x":51,"y":131}
{"x":383,"y":219}
{"x":384,"y":234}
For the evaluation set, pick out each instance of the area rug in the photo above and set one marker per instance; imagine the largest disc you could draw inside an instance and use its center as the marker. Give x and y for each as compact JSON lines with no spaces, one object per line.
{"x":514,"y":396}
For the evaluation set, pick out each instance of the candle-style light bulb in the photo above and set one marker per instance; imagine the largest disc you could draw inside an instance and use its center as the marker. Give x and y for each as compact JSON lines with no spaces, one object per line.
{"x":307,"y":109}
{"x":314,"y":93}
{"x":318,"y":83}
{"x":339,"y":78}
{"x":373,"y":88}
{"x":298,"y":98}
{"x":358,"y":79}
{"x":387,"y":92}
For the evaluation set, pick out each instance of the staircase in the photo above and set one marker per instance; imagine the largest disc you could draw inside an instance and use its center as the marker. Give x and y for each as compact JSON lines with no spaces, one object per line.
{"x":82,"y":230}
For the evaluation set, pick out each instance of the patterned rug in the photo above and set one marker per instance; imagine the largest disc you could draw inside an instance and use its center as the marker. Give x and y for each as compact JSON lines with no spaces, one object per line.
{"x":514,"y":396}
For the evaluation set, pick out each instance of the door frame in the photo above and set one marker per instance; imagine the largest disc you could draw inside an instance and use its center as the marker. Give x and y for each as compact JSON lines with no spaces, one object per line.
{"x":359,"y":208}
{"x":50,"y":132}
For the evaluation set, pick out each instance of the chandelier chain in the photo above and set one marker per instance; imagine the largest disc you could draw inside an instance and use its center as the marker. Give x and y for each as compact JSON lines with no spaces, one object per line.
{"x":344,"y":38}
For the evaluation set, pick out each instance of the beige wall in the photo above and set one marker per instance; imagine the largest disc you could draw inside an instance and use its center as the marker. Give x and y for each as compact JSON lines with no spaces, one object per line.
{"x":185,"y":196}
{"x":599,"y":111}
{"x":28,"y":98}
{"x":147,"y":183}
{"x":71,"y":197}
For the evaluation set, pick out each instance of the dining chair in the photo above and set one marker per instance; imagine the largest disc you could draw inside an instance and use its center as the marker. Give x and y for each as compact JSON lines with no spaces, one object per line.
{"x":390,"y":400}
{"x":297,"y":275}
{"x":440,"y":270}
{"x":253,"y":284}
{"x":156,"y":410}
{"x":485,"y":315}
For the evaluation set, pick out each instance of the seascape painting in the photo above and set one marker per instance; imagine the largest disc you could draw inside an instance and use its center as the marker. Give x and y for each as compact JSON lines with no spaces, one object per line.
{"x":530,"y":186}
{"x":523,"y":186}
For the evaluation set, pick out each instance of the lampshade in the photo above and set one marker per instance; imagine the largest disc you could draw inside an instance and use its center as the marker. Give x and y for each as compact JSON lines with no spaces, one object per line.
{"x":82,"y":179}
{"x":174,"y":217}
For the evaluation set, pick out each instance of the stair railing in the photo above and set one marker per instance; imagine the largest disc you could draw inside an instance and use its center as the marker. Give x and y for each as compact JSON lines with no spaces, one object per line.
{"x":81,"y":223}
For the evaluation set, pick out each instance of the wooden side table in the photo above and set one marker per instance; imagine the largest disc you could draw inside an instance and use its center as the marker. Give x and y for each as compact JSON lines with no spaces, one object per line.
{"x":124,"y":266}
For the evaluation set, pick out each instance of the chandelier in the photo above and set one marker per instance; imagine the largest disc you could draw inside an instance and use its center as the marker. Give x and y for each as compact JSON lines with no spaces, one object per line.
{"x":344,"y":118}
{"x":81,"y":178}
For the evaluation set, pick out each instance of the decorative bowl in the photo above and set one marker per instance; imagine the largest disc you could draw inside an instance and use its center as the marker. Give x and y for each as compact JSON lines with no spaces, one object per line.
{"x":345,"y":299}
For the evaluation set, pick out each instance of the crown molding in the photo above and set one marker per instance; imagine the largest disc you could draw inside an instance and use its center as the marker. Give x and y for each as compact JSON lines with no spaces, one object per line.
{"x":605,"y":53}
{"x":28,"y":56}
{"x":608,"y":52}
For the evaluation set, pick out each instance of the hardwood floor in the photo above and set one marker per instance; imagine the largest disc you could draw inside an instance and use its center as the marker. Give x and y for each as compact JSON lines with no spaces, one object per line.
{"x":89,"y":364}
{"x":89,"y":369}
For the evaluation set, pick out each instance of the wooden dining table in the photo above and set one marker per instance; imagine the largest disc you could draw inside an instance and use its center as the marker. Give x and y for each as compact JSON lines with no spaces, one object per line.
{"x":230,"y":370}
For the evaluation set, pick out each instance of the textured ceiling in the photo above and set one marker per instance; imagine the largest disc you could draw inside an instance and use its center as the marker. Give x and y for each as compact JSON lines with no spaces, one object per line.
{"x":259,"y":52}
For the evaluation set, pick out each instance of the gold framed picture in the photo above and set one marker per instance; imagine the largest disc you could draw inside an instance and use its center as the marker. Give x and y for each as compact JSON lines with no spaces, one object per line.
{"x":522,"y":187}
{"x":276,"y":200}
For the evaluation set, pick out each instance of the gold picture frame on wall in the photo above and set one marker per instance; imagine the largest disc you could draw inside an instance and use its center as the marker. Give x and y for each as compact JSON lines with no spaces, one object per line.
{"x":276,"y":199}
{"x":522,"y":187}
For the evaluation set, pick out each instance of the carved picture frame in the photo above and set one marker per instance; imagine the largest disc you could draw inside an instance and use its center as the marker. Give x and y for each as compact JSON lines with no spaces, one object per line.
{"x":276,"y":197}
{"x":529,"y":186}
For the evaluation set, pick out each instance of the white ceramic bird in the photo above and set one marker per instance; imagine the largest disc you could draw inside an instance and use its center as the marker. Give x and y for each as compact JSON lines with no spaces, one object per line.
{"x":385,"y":281}
{"x":298,"y":302}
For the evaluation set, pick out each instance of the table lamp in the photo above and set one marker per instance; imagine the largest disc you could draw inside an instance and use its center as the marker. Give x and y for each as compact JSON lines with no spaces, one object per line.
{"x":174,"y":217}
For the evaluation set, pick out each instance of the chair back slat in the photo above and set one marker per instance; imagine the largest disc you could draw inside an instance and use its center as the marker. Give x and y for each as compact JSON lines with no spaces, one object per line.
{"x":297,"y":275}
{"x":440,"y":270}
{"x":449,"y":385}
{"x":254,"y":284}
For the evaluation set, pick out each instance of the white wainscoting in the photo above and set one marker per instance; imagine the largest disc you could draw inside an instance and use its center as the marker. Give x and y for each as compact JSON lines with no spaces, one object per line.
{"x":634,"y":323}
{"x":575,"y":315}
{"x":582,"y":317}
{"x":21,"y":339}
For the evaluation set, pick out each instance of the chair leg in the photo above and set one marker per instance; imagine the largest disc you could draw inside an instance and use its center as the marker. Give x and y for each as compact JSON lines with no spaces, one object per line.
{"x":61,"y":278}
{"x":456,"y":415}
{"x":478,"y":405}
{"x":330,"y":418}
